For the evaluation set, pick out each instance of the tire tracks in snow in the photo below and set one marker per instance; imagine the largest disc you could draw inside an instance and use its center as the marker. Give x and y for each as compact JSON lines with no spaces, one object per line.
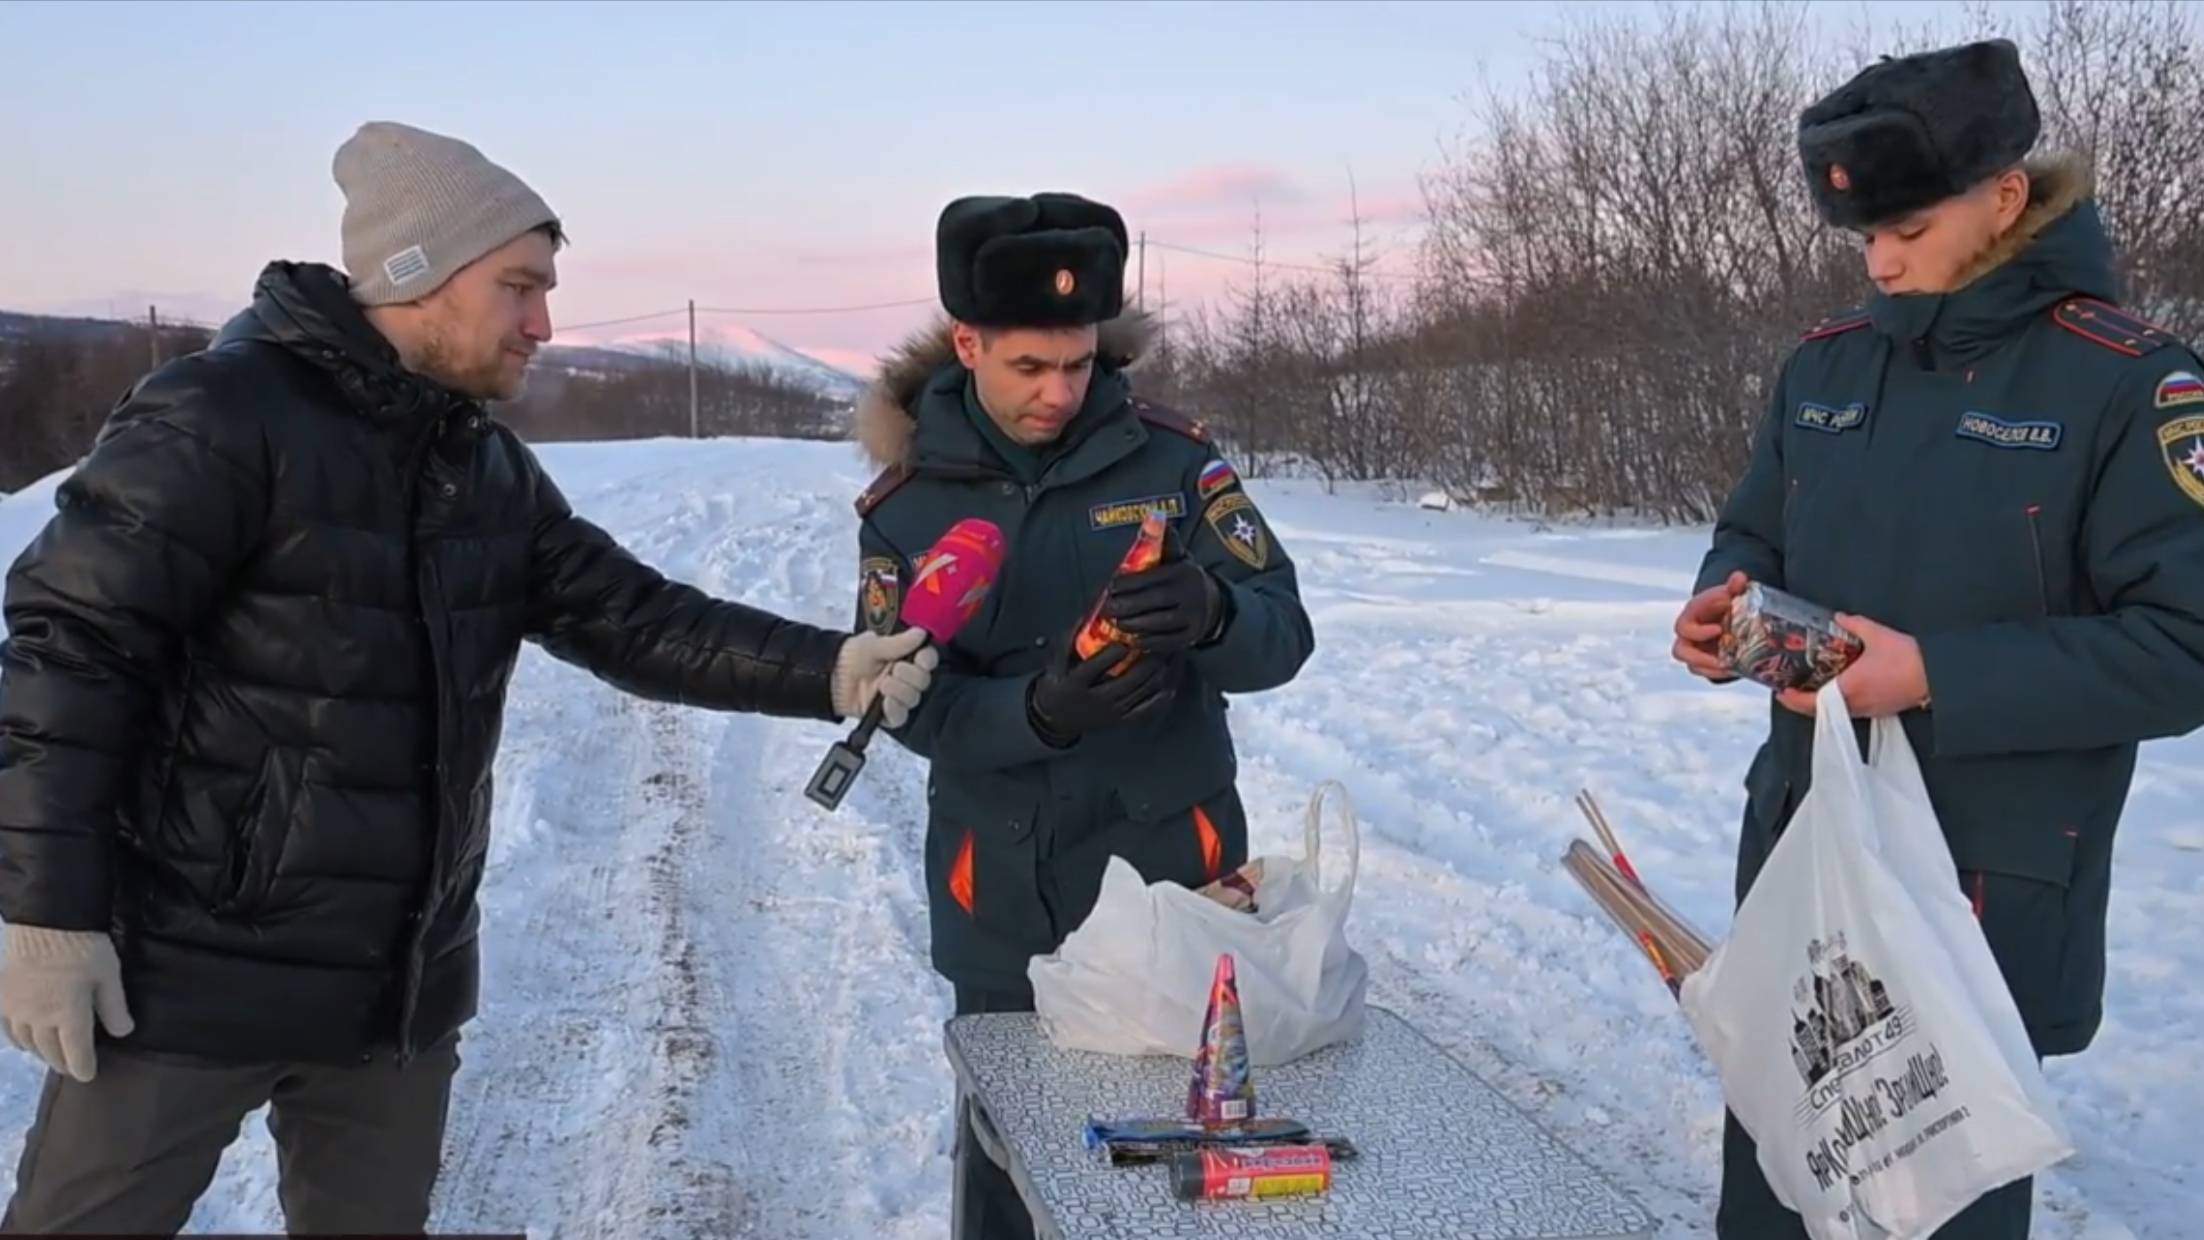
{"x":811,"y":927}
{"x":772,"y":1062}
{"x":596,"y":1029}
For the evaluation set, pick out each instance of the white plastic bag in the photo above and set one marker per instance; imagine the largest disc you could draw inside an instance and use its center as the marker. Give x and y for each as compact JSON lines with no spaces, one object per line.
{"x":1133,"y":979}
{"x":1860,"y":1026}
{"x":1913,"y":847}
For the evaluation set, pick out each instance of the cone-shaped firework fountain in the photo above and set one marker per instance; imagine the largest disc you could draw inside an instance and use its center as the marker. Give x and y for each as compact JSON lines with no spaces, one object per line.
{"x":1223,"y":1089}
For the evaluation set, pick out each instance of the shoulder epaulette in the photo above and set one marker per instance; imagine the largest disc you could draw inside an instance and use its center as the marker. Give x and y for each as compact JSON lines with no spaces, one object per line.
{"x":1171,"y":420}
{"x":1836,"y":325}
{"x":2102,"y":323}
{"x":882,"y":487}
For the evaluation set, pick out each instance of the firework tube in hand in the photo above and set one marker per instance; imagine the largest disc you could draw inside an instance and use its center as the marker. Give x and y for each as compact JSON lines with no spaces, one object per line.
{"x":1098,"y":631}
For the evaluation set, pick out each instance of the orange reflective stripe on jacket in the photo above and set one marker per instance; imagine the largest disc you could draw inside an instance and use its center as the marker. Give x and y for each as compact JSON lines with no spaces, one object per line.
{"x":1212,"y":844}
{"x":960,"y":875}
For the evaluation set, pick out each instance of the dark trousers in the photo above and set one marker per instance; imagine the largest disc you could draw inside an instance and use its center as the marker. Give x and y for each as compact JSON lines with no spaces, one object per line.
{"x":1750,"y":1211}
{"x":132,"y":1150}
{"x":985,"y":1205}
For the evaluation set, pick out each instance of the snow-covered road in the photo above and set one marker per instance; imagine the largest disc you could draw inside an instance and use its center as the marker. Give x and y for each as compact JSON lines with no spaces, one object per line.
{"x":708,"y":1009}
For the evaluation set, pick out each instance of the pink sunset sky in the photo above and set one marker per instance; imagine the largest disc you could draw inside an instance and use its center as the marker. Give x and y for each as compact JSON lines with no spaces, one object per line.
{"x":756,"y":157}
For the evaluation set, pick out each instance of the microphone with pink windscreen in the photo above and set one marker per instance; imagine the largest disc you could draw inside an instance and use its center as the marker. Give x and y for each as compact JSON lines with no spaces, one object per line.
{"x":949,"y":582}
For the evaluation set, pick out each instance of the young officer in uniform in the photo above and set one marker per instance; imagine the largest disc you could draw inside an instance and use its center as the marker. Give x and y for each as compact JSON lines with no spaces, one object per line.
{"x":1019,"y":411}
{"x":1997,"y":477}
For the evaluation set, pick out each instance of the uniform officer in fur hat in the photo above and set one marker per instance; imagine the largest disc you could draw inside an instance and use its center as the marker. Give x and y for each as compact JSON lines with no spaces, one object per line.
{"x":1019,"y":410}
{"x":1996,"y":475}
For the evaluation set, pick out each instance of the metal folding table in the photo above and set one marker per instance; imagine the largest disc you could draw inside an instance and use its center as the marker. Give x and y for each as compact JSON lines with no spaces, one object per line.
{"x":1443,"y":1154}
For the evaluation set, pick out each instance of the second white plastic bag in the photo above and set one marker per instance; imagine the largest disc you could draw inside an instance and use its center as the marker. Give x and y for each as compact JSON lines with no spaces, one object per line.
{"x":1862,"y":1031}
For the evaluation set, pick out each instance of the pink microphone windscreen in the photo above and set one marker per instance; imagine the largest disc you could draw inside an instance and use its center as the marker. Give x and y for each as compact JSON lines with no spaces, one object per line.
{"x":952,"y":578}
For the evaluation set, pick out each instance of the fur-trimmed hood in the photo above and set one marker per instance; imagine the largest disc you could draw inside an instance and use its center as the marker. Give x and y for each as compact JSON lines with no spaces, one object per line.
{"x":2056,"y":185}
{"x":885,"y":424}
{"x":2057,"y":250}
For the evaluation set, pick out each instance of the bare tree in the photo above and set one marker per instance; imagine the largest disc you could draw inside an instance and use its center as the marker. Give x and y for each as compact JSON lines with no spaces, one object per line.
{"x":1617,"y":260}
{"x":1614,"y":262}
{"x":59,"y":384}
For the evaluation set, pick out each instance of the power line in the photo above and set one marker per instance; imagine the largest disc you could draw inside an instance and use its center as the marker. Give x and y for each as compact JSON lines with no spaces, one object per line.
{"x":633,"y":318}
{"x":1252,"y":262}
{"x":877,"y":305}
{"x":757,"y":310}
{"x":908,"y":303}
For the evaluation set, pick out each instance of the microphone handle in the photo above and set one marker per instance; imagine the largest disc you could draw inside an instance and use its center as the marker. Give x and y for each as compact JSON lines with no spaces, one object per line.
{"x":866,"y":726}
{"x":873,"y":713}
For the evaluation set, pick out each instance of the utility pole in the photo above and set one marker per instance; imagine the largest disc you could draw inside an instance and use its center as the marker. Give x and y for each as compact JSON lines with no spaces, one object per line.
{"x":1140,"y":298}
{"x":1163,"y":314}
{"x":153,"y":334}
{"x":692,"y":369}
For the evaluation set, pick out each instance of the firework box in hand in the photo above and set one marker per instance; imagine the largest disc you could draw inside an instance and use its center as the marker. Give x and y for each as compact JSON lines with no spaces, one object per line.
{"x":1097,"y":632}
{"x":1784,"y":642}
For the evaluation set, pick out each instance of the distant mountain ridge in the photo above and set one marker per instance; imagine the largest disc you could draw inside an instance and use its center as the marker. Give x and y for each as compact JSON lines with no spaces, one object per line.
{"x":723,"y":346}
{"x":729,"y":346}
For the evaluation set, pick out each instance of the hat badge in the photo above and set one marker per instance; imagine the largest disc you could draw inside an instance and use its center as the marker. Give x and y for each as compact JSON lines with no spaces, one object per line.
{"x":1839,"y":178}
{"x":1065,"y":282}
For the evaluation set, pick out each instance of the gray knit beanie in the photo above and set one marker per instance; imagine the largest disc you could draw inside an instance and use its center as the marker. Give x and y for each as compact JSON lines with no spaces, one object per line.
{"x":419,"y":206}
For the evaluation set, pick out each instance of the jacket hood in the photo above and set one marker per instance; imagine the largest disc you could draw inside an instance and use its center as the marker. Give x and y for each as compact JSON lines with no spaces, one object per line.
{"x":885,"y":423}
{"x":2074,"y":258}
{"x":307,"y":309}
{"x":2059,"y":249}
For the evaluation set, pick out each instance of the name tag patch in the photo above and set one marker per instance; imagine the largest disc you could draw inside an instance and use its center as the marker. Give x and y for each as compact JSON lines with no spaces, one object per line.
{"x":1831,"y":419}
{"x":1130,"y":511}
{"x":2002,"y":433}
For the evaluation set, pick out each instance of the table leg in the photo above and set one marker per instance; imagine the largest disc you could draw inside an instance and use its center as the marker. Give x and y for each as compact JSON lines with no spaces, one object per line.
{"x":985,"y":1203}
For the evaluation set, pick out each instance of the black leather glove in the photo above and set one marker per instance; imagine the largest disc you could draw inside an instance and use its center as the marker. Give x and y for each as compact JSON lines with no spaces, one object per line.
{"x":1073,"y":698}
{"x":1170,"y":607}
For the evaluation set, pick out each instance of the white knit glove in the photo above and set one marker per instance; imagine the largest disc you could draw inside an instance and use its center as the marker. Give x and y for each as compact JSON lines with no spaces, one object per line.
{"x":870,"y":665}
{"x":53,"y":983}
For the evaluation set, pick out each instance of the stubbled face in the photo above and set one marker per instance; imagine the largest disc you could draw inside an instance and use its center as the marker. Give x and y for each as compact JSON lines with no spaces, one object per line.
{"x":478,"y":333}
{"x":1031,"y":381}
{"x":1930,"y":251}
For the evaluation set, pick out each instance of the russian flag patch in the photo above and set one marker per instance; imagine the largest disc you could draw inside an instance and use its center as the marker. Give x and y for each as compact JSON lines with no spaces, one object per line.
{"x":2180,"y":388}
{"x":1215,"y":477}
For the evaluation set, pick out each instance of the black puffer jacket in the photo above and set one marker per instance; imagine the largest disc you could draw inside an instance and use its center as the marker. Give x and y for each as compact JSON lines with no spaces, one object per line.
{"x":255,"y":672}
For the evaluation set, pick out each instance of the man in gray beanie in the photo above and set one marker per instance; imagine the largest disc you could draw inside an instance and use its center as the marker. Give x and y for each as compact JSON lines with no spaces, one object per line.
{"x":250,"y":701}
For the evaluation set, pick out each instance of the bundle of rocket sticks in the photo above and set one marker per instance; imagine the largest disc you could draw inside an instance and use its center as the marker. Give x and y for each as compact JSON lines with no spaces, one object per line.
{"x":1668,"y":941}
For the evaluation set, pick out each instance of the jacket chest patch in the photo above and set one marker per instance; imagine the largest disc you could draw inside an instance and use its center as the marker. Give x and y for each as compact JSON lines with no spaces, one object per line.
{"x":1119,"y":512}
{"x":1831,"y":419}
{"x":2001,"y":433}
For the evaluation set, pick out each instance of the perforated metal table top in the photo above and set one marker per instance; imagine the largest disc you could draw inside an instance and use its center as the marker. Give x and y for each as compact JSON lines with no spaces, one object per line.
{"x":1442,"y":1153}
